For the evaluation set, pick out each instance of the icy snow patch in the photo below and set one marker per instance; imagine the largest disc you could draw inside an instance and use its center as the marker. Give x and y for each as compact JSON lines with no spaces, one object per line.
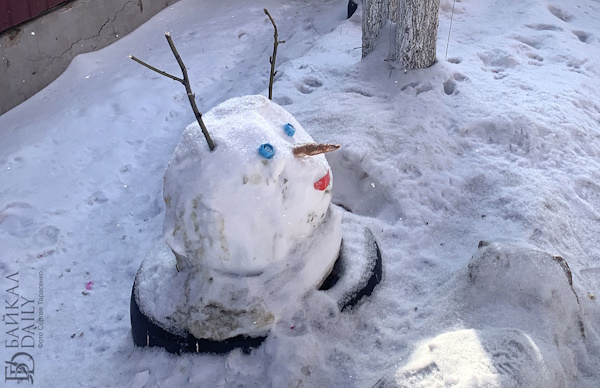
{"x":478,"y":358}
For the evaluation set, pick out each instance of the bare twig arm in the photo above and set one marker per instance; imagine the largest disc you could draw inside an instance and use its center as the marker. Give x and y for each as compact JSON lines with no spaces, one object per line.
{"x":155,"y":69}
{"x":186,"y":82}
{"x":272,"y":22}
{"x":272,"y":58}
{"x":188,"y":89}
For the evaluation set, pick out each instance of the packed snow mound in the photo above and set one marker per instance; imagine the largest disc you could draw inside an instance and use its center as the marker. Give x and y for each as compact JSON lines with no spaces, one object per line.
{"x":525,"y":278}
{"x":233,"y":209}
{"x":517,"y":321}
{"x":490,"y":358}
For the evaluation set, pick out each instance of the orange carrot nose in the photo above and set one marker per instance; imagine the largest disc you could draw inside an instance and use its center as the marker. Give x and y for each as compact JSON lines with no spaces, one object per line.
{"x":313,"y":149}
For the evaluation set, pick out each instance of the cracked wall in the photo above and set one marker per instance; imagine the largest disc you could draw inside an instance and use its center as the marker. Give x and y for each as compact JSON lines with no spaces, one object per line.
{"x":33,"y":54}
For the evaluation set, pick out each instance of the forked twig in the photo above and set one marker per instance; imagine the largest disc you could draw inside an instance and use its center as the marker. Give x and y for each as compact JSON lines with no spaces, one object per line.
{"x":272,"y":58}
{"x":186,"y":82}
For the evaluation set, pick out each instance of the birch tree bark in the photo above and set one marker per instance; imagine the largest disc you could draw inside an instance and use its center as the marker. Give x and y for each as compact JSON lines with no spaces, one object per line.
{"x":374,"y":17}
{"x":416,"y":32}
{"x":393,"y":9}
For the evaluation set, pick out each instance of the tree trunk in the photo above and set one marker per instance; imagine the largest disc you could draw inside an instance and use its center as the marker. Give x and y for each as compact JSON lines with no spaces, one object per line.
{"x":374,"y":17}
{"x":393,"y":9}
{"x":416,"y":32}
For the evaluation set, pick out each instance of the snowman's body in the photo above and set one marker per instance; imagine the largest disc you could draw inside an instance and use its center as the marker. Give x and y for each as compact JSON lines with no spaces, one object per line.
{"x":250,"y":234}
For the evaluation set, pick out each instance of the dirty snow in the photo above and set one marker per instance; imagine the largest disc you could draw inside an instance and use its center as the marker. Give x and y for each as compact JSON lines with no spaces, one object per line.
{"x":499,"y":142}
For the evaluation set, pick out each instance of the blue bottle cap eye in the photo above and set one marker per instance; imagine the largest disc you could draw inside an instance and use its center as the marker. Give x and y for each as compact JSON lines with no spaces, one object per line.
{"x":266,"y":151}
{"x":289,"y":129}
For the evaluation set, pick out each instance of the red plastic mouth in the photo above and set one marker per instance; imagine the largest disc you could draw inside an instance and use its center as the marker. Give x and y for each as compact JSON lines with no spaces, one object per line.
{"x":322,"y":183}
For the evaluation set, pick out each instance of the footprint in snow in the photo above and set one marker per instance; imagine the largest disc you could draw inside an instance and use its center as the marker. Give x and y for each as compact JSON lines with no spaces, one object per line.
{"x":125,"y":168}
{"x":575,"y":65}
{"x":101,"y":348}
{"x":18,"y":219}
{"x":543,"y":27}
{"x":450,"y":86}
{"x":309,"y":84}
{"x":417,"y":87}
{"x":362,"y":92}
{"x":560,"y":13}
{"x":173,"y":114}
{"x":588,"y":192}
{"x":283,"y":100}
{"x":409,"y":85}
{"x":497,"y":61}
{"x":535,"y":42}
{"x":582,"y":36}
{"x":98,"y":197}
{"x":536,"y":59}
{"x":47,"y":236}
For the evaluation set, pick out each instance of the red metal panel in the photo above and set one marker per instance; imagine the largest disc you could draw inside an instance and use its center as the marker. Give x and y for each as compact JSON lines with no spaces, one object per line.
{"x":4,"y":16}
{"x":54,"y":3}
{"x":18,"y":11}
{"x":37,"y":7}
{"x":14,"y":12}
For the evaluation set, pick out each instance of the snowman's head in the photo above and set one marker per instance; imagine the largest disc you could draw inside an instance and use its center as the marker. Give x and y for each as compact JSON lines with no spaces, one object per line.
{"x":246,"y":204}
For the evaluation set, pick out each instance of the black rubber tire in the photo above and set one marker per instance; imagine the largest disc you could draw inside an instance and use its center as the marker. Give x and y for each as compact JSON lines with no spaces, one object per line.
{"x":373,"y":273}
{"x":146,"y":332}
{"x":352,"y":7}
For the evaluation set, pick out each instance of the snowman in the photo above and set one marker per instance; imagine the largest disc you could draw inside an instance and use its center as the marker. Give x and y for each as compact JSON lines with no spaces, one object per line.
{"x":248,"y":228}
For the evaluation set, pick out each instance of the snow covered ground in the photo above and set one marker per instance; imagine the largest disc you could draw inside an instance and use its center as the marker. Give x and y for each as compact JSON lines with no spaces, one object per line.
{"x":499,"y":143}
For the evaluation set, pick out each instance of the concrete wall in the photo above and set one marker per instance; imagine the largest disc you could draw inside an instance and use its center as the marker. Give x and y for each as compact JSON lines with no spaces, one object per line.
{"x":35,"y":53}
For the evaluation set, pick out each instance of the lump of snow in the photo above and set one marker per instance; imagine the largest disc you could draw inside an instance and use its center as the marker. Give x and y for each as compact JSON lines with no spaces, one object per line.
{"x":478,"y":358}
{"x":521,"y":325}
{"x":528,"y":279}
{"x":140,"y":379}
{"x":233,"y":210}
